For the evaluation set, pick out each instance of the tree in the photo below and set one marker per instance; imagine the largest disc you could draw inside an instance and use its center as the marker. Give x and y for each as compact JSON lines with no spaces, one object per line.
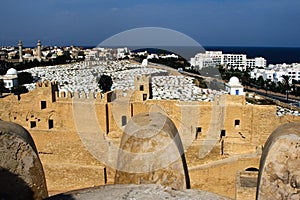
{"x":287,"y":86}
{"x":25,"y":78}
{"x":294,"y":87}
{"x":267,"y":85}
{"x":105,"y":82}
{"x":246,"y":77}
{"x":273,"y":87}
{"x":260,"y":82}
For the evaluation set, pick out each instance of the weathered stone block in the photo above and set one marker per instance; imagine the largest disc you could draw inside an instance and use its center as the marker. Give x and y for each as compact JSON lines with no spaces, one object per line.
{"x":21,"y":172}
{"x":279,"y":176}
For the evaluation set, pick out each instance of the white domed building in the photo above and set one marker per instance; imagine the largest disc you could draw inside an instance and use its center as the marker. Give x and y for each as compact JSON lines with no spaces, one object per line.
{"x":10,"y":79}
{"x":234,"y":87}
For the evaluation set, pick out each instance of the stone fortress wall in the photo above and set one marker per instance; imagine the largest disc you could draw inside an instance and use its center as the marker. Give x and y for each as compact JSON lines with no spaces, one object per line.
{"x":224,"y":138}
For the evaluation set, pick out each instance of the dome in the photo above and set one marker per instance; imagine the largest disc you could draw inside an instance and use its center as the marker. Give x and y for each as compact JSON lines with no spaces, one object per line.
{"x":234,"y":81}
{"x":27,"y":55}
{"x":12,"y":71}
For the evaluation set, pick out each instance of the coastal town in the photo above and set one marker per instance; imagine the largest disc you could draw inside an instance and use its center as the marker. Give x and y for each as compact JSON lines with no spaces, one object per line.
{"x":82,"y":66}
{"x":154,"y":100}
{"x":65,"y":107}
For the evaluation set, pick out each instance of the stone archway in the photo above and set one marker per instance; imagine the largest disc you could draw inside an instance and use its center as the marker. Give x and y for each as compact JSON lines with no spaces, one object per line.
{"x":151,"y":151}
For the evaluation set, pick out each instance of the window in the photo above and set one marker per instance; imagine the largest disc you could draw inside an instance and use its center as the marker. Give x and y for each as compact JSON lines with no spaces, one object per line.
{"x":50,"y":123}
{"x":124,"y":120}
{"x":144,"y":97}
{"x":141,"y":87}
{"x":237,"y":123}
{"x":223,"y":133}
{"x":32,"y":124}
{"x":43,"y":104}
{"x":198,"y":131}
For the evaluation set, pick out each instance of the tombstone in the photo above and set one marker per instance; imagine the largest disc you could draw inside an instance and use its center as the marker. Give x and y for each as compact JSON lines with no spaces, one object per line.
{"x":279,"y":174}
{"x":21,"y":172}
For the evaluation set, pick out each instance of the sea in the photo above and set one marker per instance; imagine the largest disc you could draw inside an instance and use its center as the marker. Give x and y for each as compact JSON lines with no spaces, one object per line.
{"x":273,"y":55}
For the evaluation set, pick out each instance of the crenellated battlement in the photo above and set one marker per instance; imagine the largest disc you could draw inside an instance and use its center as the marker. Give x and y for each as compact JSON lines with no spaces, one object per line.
{"x":142,"y":79}
{"x":46,"y":83}
{"x":67,"y":95}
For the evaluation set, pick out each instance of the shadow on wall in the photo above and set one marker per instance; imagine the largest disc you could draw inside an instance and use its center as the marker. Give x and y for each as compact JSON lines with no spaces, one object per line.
{"x":62,"y":197}
{"x":21,"y":172}
{"x":12,"y":187}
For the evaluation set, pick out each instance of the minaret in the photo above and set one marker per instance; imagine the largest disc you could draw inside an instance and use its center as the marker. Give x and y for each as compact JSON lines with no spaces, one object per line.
{"x":39,"y":53}
{"x":20,"y":51}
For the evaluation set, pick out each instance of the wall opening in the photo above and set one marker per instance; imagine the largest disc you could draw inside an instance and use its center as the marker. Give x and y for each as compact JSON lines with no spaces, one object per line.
{"x":131,"y":109}
{"x":237,"y":123}
{"x":107,"y":118}
{"x":43,"y":104}
{"x":124,"y":120}
{"x":223,"y":133}
{"x":198,"y":132}
{"x":251,"y":169}
{"x":105,"y":175}
{"x":222,"y":136}
{"x":141,"y":87}
{"x":50,"y":123}
{"x":144,"y":97}
{"x":32,"y":124}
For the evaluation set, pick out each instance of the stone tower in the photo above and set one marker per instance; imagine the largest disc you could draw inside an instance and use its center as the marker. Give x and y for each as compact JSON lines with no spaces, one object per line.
{"x":39,"y":53}
{"x":142,"y":88}
{"x":20,"y":44}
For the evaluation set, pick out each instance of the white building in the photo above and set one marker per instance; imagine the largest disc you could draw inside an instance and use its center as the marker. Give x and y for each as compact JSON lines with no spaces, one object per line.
{"x":215,"y":58}
{"x":207,"y":59}
{"x":234,"y":87}
{"x":278,"y":76}
{"x":170,"y":56}
{"x":10,"y":79}
{"x":267,"y":74}
{"x":122,"y":52}
{"x":235,"y":60}
{"x":276,"y":72}
{"x":258,"y":62}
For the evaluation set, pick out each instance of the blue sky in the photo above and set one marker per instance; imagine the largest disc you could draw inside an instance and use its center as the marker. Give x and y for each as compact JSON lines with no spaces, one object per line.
{"x":210,"y":22}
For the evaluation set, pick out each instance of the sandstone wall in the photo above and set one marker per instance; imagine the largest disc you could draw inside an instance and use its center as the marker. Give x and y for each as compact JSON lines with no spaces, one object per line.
{"x":200,"y":125}
{"x":220,"y":176}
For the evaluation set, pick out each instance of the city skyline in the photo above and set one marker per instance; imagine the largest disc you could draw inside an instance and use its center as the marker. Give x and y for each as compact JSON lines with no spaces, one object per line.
{"x":209,"y":22}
